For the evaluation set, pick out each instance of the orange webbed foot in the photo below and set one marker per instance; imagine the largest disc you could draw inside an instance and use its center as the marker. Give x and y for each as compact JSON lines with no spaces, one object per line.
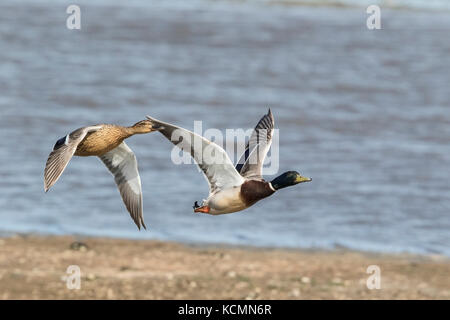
{"x":204,"y":209}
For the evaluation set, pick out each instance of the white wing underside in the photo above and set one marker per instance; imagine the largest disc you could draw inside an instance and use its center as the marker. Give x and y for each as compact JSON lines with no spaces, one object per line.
{"x":122,"y":164}
{"x":214,"y":162}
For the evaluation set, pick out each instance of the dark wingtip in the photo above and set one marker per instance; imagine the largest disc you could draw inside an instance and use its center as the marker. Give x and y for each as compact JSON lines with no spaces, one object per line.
{"x":270,"y":115}
{"x":155,"y":126}
{"x":139,"y":224}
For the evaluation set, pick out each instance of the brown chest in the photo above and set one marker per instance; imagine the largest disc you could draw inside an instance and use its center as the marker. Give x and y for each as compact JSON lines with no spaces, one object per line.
{"x":255,"y":190}
{"x":101,"y":141}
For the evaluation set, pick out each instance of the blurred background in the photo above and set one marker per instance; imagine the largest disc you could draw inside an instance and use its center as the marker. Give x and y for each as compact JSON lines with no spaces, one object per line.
{"x":365,"y":113}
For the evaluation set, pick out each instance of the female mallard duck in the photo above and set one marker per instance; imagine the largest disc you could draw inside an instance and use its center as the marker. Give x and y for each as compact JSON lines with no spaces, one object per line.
{"x":231,"y":188}
{"x":107,"y":142}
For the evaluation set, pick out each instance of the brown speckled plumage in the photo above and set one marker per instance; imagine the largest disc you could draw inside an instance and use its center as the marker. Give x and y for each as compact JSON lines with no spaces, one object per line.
{"x":104,"y":140}
{"x":107,"y":142}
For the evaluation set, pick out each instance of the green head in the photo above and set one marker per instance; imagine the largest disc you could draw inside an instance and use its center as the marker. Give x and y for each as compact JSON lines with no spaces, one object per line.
{"x":287,"y":179}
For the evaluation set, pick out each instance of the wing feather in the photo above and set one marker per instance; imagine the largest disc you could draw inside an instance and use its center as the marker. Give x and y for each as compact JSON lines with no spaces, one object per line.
{"x":251,"y":162}
{"x":122,"y":164}
{"x":63,"y":151}
{"x":214,"y":162}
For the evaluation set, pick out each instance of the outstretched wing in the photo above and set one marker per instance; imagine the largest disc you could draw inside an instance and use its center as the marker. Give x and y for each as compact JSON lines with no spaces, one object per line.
{"x":211,"y":158}
{"x":63,"y":151}
{"x":252,"y":160}
{"x":122,"y":164}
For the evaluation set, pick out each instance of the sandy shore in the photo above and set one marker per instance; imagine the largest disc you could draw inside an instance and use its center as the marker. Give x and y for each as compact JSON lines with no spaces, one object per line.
{"x":34,"y":267}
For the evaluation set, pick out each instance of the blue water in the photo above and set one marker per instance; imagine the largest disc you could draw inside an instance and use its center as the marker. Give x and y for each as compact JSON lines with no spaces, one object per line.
{"x":364,"y":113}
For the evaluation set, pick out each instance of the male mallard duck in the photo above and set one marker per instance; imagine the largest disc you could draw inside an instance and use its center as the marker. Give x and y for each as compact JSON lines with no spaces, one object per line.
{"x":231,"y":188}
{"x":107,"y":142}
